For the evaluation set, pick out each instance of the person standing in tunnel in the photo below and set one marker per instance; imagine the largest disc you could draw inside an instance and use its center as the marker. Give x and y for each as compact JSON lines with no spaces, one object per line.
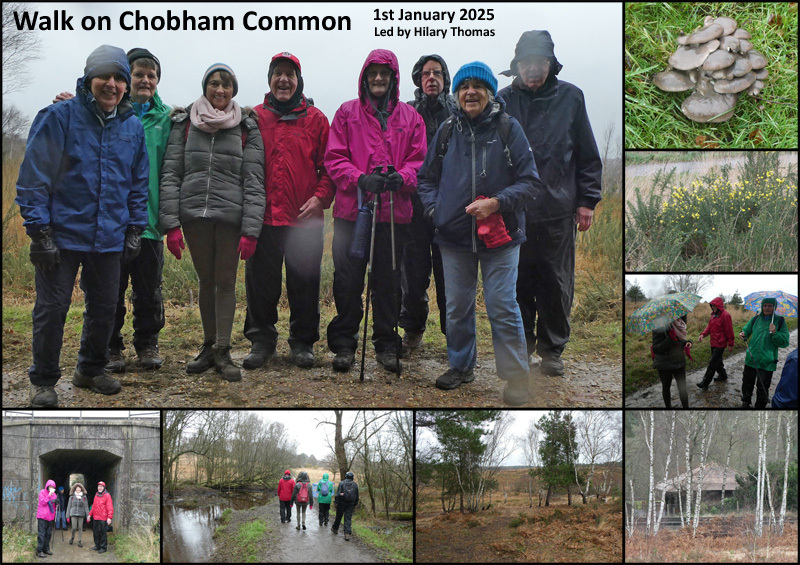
{"x":102,"y":511}
{"x":77,"y":511}
{"x":45,"y":512}
{"x":61,"y":506}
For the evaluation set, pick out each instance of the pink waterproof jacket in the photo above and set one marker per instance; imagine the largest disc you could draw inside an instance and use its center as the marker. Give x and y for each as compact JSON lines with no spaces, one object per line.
{"x":43,"y":510}
{"x":357,"y":144}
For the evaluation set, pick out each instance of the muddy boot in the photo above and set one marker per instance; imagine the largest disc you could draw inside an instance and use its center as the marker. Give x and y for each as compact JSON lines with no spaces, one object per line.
{"x":149,"y":357}
{"x":116,"y":362}
{"x":204,"y":361}
{"x":259,"y":354}
{"x":43,"y":396}
{"x":704,"y":384}
{"x":346,"y":536}
{"x":72,"y":538}
{"x":224,"y":364}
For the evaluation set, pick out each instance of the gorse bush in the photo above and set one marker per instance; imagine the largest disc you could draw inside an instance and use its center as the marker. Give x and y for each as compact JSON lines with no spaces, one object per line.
{"x":713,"y":224}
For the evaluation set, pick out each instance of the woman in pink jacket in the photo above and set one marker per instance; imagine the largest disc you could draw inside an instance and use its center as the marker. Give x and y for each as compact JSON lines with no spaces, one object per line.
{"x":376,"y":144}
{"x":45,"y":514}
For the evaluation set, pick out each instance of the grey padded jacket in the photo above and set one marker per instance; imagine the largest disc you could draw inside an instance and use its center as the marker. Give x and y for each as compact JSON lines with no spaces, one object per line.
{"x":217,"y":176}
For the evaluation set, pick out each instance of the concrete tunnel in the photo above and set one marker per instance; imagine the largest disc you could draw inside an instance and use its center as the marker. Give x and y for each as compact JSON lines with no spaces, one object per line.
{"x":94,"y":465}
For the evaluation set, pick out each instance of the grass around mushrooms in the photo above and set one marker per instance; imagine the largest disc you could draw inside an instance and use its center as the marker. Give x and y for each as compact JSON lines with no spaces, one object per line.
{"x":653,"y":118}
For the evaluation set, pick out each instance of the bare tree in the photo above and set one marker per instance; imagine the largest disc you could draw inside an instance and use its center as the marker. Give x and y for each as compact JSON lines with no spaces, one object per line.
{"x":704,"y":447}
{"x":649,"y":442}
{"x":530,"y":448}
{"x":689,"y":283}
{"x":731,"y":441}
{"x":786,"y":472}
{"x":666,"y":471}
{"x":19,"y":47}
{"x":594,"y":430}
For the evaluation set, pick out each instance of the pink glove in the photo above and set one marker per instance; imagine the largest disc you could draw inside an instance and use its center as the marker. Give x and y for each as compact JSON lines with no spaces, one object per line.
{"x":67,"y":520}
{"x":175,"y":242}
{"x":247,"y":246}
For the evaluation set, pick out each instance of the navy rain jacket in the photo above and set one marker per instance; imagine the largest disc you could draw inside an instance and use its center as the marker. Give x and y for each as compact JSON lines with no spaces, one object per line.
{"x":477,"y":166}
{"x":84,"y":178}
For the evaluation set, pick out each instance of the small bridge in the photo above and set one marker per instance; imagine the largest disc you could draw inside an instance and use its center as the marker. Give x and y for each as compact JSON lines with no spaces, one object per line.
{"x":122,"y":452}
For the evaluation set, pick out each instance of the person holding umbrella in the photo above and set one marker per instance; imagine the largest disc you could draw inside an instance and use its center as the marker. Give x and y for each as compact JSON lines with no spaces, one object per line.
{"x":766,"y":332}
{"x":665,"y":316}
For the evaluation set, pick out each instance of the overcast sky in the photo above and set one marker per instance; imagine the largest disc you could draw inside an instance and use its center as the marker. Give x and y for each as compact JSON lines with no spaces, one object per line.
{"x":587,"y":37}
{"x":652,"y":285}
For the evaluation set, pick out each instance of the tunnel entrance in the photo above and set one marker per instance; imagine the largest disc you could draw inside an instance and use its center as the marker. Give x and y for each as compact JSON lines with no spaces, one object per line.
{"x":68,"y":466}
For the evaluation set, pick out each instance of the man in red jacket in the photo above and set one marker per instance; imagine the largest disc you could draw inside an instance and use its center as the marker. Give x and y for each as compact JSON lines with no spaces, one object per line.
{"x":285,"y":489}
{"x":102,"y":511}
{"x":720,"y":327}
{"x":298,"y":190}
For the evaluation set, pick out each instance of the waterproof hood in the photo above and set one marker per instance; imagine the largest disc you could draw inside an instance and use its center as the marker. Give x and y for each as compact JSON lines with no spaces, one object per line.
{"x":416,"y":72}
{"x":49,"y":483}
{"x":380,"y":57}
{"x":325,"y":477}
{"x":302,"y":477}
{"x":72,"y":489}
{"x":718,"y":303}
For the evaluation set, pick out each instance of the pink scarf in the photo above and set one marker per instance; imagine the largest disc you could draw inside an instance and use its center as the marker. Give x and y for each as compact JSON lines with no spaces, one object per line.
{"x":207,"y":118}
{"x":679,"y":327}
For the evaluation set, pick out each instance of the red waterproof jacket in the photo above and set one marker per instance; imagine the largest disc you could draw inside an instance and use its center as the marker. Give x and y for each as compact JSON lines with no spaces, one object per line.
{"x":294,"y":147}
{"x":285,"y":488}
{"x":720,"y":326}
{"x":102,"y":507}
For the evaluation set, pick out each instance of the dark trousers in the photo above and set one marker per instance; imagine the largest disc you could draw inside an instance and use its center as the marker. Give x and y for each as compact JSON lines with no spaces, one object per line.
{"x":420,"y":255}
{"x":348,"y":285}
{"x":99,"y":282}
{"x":346,"y":510}
{"x":45,"y":530}
{"x":666,"y":382}
{"x":716,"y":365}
{"x":145,"y":273}
{"x":546,"y":285}
{"x":324,"y":511}
{"x":100,"y":531}
{"x":300,"y":248}
{"x":761,"y":380}
{"x":286,"y":510}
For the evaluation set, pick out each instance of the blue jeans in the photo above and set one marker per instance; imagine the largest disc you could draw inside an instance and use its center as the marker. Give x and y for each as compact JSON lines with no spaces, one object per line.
{"x":61,"y":520}
{"x":499,"y":271}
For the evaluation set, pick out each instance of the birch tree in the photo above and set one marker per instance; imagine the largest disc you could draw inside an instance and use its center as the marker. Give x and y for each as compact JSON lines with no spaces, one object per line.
{"x":786,"y":473}
{"x":704,"y":447}
{"x":649,"y":443}
{"x":666,"y":471}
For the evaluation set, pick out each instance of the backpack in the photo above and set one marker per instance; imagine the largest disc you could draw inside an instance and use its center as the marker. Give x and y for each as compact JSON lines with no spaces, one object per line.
{"x":323,"y":489}
{"x":349,"y":491}
{"x":443,"y":142}
{"x":302,"y":494}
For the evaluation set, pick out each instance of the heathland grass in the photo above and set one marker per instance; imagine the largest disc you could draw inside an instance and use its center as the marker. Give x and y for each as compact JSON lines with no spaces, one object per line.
{"x":639,"y":372}
{"x":653,"y":118}
{"x":717,"y":225}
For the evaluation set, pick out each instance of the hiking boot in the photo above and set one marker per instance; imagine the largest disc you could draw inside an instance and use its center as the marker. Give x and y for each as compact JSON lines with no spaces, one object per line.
{"x":224,"y":364}
{"x":552,"y":366}
{"x":335,"y":532}
{"x":745,"y":404}
{"x":303,"y":357}
{"x":343,"y":361}
{"x":149,"y":358}
{"x":304,"y":526}
{"x":704,"y":384}
{"x":80,"y":544}
{"x":346,"y":536}
{"x":453,"y":379}
{"x":388,"y":360}
{"x":721,"y":378}
{"x":40,"y":554}
{"x":516,"y":392}
{"x":298,"y":527}
{"x":204,"y":361}
{"x":116,"y":362}
{"x":103,"y":550}
{"x":259,"y":354}
{"x":72,"y":539}
{"x":48,"y":552}
{"x":412,"y":340}
{"x":101,"y":384}
{"x":43,"y":396}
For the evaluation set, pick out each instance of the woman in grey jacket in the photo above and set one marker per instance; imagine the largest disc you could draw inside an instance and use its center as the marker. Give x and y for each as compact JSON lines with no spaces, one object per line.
{"x":212,"y":185}
{"x":77,"y":511}
{"x":302,"y":499}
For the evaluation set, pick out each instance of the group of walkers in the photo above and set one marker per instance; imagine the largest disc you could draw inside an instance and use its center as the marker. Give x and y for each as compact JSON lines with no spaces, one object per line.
{"x":55,"y":510}
{"x":765,"y":333}
{"x":302,"y":493}
{"x":479,"y":177}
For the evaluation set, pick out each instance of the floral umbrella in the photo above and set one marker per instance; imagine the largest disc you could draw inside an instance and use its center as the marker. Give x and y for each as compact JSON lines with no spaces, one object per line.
{"x":787,"y":303}
{"x":660,"y":311}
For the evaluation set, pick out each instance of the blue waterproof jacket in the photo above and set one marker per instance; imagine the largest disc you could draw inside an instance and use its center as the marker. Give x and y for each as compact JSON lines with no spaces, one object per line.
{"x":475,"y":164}
{"x":83,"y":176}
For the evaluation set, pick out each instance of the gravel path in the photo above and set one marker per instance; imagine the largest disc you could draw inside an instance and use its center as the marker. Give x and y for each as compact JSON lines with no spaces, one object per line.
{"x":720,"y":394}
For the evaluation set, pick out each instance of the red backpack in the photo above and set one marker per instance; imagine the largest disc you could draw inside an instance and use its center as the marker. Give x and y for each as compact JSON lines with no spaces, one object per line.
{"x":302,"y":494}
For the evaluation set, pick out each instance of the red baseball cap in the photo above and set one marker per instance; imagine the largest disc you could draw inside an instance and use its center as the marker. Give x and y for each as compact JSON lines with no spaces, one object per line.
{"x":289,"y":57}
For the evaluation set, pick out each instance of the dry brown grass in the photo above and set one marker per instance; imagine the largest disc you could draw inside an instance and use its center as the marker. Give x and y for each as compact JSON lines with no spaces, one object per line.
{"x":729,"y":540}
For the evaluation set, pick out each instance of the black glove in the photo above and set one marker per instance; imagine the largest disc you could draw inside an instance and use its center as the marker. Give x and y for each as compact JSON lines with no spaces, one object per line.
{"x":133,"y":244}
{"x":44,"y":253}
{"x":373,"y":182}
{"x":394,"y":181}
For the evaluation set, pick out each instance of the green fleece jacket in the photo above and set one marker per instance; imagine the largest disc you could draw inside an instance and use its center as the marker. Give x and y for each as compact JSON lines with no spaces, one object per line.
{"x":762,"y":350}
{"x":331,"y":487}
{"x":157,"y":126}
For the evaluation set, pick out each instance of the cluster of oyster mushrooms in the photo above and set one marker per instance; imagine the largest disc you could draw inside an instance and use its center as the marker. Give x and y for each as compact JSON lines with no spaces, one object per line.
{"x":720,"y":64}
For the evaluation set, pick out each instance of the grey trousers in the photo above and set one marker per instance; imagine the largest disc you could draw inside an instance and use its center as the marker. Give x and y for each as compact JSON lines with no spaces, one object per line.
{"x":214,"y":253}
{"x":77,"y":524}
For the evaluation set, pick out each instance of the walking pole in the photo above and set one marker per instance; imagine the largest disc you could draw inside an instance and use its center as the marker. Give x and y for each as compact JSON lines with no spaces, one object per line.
{"x":369,"y":283}
{"x":398,"y":343}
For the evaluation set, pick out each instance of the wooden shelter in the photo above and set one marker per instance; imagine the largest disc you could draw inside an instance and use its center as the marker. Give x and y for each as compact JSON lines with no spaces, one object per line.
{"x":712,"y":485}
